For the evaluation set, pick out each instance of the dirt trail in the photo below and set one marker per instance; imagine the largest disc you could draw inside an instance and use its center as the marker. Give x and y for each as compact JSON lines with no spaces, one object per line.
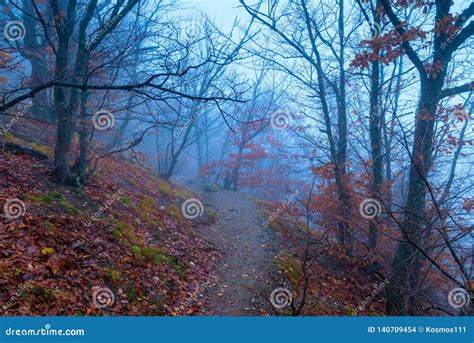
{"x":248,"y":249}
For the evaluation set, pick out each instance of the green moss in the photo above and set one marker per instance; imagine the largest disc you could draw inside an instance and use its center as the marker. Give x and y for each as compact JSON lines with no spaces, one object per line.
{"x":50,"y":227}
{"x":56,"y":195}
{"x":137,"y":250}
{"x":41,"y":148}
{"x":48,"y":199}
{"x":47,"y":250}
{"x":57,"y":292}
{"x":46,"y":295}
{"x":114,"y":275}
{"x":165,"y":190}
{"x":175,"y":212}
{"x":133,"y":183}
{"x":126,"y":233}
{"x":212,"y":217}
{"x":70,"y":208}
{"x":9,"y":137}
{"x":160,"y":308}
{"x":131,"y":292}
{"x":184,"y":194}
{"x":157,"y":256}
{"x":148,"y":205}
{"x":153,"y":254}
{"x":126,"y":201}
{"x":302,"y":226}
{"x":42,"y":199}
{"x":290,"y":266}
{"x":210,"y":187}
{"x":276,"y":225}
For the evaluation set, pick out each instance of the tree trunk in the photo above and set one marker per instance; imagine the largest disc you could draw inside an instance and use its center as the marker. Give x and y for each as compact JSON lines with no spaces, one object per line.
{"x":62,"y":170}
{"x":39,"y":65}
{"x":406,"y":262}
{"x":375,"y":140}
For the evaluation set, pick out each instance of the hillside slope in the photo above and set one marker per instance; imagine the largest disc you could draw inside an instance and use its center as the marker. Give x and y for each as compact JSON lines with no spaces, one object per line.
{"x":119,"y":246}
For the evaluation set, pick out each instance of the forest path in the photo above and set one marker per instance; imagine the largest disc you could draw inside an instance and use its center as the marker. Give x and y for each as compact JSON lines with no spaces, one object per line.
{"x":248,"y":249}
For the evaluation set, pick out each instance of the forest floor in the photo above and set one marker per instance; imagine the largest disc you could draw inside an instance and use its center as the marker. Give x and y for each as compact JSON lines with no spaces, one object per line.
{"x":243,"y":279}
{"x":124,"y":234}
